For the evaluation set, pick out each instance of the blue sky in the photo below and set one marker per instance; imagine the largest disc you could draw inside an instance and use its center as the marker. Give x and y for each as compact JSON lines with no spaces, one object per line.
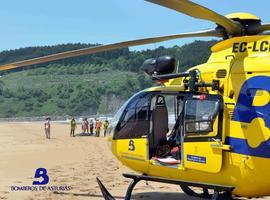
{"x":34,"y":23}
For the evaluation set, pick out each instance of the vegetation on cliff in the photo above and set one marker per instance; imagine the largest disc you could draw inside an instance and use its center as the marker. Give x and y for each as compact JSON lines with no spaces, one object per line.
{"x":84,"y":85}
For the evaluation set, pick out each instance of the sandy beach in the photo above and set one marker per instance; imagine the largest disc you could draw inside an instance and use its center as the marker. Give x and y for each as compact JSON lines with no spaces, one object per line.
{"x":73,"y":162}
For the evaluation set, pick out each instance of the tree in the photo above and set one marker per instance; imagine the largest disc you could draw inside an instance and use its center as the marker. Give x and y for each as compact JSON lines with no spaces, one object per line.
{"x":47,"y":88}
{"x":1,"y":87}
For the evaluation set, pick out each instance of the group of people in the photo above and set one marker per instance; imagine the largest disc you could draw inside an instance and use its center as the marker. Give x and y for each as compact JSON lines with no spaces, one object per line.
{"x":88,"y":127}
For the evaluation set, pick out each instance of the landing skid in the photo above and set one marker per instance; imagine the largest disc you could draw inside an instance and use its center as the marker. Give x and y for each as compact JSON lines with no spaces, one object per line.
{"x":221,"y":192}
{"x":225,"y":195}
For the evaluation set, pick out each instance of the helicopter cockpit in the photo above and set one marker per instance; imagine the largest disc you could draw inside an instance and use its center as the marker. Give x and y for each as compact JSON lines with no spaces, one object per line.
{"x":167,"y":120}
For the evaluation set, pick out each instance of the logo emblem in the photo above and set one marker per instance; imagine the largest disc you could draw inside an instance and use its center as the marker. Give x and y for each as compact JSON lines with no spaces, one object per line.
{"x":41,"y":173}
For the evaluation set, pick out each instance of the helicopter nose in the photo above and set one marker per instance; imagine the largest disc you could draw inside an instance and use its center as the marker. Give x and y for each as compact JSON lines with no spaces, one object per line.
{"x":109,"y":141}
{"x":112,"y":144}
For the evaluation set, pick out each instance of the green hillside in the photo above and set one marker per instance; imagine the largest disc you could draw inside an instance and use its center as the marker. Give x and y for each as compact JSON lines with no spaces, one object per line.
{"x":84,"y":85}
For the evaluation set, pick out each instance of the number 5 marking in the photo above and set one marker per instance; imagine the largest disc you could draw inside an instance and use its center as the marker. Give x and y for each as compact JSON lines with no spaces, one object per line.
{"x":131,"y":145}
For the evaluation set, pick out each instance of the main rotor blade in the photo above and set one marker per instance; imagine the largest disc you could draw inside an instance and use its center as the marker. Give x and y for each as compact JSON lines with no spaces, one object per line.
{"x":96,"y":49}
{"x":197,"y":11}
{"x":264,"y":27}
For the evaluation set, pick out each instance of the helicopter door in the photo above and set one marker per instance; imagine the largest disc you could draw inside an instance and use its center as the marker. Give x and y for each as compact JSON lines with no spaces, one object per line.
{"x":202,"y":132}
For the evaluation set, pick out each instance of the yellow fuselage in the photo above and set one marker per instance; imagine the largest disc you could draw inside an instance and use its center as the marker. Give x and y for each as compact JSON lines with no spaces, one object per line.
{"x":242,"y":65}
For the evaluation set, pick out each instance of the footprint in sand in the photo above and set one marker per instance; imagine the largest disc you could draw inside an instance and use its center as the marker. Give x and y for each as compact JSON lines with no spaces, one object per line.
{"x":2,"y":197}
{"x":56,"y":171}
{"x":75,"y":178}
{"x":84,"y":190}
{"x":64,"y":180}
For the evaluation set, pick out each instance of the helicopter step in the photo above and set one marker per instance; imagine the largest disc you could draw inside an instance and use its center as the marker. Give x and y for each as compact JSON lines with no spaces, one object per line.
{"x":221,"y":192}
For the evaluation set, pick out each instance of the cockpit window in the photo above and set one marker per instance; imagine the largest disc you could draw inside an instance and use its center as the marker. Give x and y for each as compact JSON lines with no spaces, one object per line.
{"x":200,"y":110}
{"x":142,"y":109}
{"x":200,"y":117}
{"x":118,"y":114}
{"x":134,"y":121}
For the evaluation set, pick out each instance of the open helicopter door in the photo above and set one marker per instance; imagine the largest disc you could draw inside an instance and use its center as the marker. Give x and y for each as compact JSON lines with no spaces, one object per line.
{"x":203,"y":133}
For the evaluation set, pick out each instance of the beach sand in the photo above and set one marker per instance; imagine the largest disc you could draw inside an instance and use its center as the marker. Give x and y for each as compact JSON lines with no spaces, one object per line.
{"x":73,"y":162}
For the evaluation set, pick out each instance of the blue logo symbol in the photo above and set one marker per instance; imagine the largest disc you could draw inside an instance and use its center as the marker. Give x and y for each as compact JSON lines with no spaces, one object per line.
{"x":41,"y":173}
{"x":244,"y":110}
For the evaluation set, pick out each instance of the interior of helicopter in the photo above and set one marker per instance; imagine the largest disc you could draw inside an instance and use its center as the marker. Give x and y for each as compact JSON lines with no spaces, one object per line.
{"x":174,"y":118}
{"x":166,"y":128}
{"x":167,"y":121}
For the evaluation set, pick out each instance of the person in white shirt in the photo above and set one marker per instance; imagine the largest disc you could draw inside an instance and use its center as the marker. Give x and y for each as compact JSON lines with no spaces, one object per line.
{"x":47,"y":128}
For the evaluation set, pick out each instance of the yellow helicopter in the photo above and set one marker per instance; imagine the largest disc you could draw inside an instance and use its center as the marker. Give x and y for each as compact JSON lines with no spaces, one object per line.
{"x":207,"y":127}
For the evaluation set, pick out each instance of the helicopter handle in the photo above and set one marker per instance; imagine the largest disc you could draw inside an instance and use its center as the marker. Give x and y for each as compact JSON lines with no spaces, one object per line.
{"x":192,"y":84}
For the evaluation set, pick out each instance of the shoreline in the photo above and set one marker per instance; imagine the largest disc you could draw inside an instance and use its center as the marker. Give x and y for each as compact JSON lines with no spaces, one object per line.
{"x":53,"y":118}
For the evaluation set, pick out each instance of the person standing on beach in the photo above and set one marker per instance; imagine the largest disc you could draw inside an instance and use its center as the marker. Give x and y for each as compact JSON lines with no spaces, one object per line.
{"x":105,"y":127}
{"x":73,"y":126}
{"x":96,"y":119}
{"x":91,"y":126}
{"x":86,"y":125}
{"x":83,"y":129}
{"x":47,"y":128}
{"x":98,"y":127}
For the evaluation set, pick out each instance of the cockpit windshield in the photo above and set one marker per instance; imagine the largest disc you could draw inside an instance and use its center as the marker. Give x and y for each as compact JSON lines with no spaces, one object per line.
{"x":123,"y":112}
